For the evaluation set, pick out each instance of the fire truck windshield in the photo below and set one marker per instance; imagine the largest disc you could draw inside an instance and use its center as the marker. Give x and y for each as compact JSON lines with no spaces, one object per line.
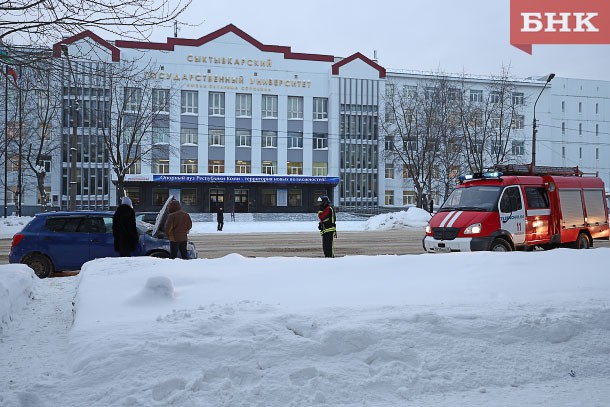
{"x":474,"y":198}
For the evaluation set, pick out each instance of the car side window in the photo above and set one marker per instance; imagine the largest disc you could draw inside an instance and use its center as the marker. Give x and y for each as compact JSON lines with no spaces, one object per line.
{"x":537,"y":197}
{"x":108,"y":223}
{"x":96,"y":225}
{"x":66,"y":224}
{"x":511,"y":200}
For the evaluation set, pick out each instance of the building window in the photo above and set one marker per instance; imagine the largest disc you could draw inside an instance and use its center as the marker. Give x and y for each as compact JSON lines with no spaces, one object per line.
{"x":269,"y":197}
{"x":597,"y":153}
{"x":134,"y":194}
{"x":216,"y":104}
{"x":295,"y":139}
{"x":159,"y":196}
{"x":597,"y":129}
{"x":188,"y":166}
{"x":320,"y":141}
{"x":161,"y":166}
{"x":563,"y":152}
{"x":408,"y":197}
{"x":160,"y":135}
{"x":389,"y":90}
{"x":409,"y":91}
{"x":243,"y":105}
{"x":188,"y":196}
{"x":160,"y":100}
{"x":518,"y":148}
{"x":217,"y":137}
{"x":269,"y":107}
{"x":518,"y":98}
{"x":579,"y":107}
{"x":563,"y":106}
{"x":133,"y":99}
{"x":189,"y":102}
{"x":597,"y":108}
{"x":563,"y":127}
{"x":518,"y":121}
{"x":269,"y":139}
{"x":295,"y":107}
{"x":320,"y":108}
{"x":294,"y":168}
{"x":295,"y":197}
{"x":389,"y":143}
{"x":476,"y":95}
{"x":579,"y":152}
{"x":389,"y":170}
{"x":389,"y":197}
{"x":135,"y":166}
{"x":216,"y":166}
{"x":495,"y":96}
{"x":242,"y":167}
{"x":320,"y":169}
{"x":580,"y":129}
{"x":269,"y":167}
{"x":189,"y":136}
{"x":243,"y":138}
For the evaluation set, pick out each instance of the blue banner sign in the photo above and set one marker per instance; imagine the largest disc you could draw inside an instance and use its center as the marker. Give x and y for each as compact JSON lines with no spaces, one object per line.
{"x":245,"y":179}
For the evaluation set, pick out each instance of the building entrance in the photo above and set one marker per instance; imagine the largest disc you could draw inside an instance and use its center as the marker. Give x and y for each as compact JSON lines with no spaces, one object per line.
{"x":241,"y":201}
{"x":217,"y":199}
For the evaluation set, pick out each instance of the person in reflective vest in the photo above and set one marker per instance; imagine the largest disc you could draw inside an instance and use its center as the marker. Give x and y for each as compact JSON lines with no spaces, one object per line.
{"x":327,"y":226}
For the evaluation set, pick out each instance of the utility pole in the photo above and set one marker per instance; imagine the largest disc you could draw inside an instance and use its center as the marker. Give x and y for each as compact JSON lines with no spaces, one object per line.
{"x":534,"y":130}
{"x":72,"y":143}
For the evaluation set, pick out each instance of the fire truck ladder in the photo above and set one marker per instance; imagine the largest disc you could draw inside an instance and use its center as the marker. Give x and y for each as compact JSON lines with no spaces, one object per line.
{"x":528,"y":169}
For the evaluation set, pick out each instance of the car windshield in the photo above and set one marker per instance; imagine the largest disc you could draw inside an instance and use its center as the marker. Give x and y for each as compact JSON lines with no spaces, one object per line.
{"x":473,"y":198}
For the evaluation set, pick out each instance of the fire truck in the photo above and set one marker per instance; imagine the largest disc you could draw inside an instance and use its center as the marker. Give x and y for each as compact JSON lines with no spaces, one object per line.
{"x":520,"y":207}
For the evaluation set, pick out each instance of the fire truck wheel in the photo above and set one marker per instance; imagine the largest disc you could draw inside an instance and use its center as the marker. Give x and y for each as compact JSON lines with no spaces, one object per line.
{"x":582,"y":242}
{"x":500,"y":245}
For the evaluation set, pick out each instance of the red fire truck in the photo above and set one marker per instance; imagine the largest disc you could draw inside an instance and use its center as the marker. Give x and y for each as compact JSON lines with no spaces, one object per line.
{"x":517,"y":207}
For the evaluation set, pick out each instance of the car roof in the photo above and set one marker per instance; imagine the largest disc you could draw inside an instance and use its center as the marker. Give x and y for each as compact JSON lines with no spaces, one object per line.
{"x":73,"y":213}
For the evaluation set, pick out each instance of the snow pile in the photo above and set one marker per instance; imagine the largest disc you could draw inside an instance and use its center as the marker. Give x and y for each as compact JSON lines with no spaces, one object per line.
{"x":16,"y":289}
{"x":12,"y":224}
{"x":412,"y":218}
{"x":456,"y":330}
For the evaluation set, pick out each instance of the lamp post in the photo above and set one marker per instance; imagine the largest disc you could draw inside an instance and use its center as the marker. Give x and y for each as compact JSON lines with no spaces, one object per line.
{"x":534,"y":130}
{"x":72,"y":143}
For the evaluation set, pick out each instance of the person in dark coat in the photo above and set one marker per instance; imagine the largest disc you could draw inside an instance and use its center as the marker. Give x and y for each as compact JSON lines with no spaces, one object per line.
{"x":220,"y":218}
{"x":327,"y":226}
{"x":177,"y":227}
{"x":124,"y":229}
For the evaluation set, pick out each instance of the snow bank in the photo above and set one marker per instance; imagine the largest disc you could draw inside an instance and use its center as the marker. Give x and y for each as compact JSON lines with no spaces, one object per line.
{"x":16,"y":289}
{"x":411,"y":218}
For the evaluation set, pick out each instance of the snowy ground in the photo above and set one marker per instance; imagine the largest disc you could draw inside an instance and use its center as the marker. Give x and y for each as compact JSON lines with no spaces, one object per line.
{"x":470,"y":329}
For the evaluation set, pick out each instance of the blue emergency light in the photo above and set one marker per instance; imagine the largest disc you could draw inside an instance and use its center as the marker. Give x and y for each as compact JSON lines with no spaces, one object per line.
{"x":480,"y":175}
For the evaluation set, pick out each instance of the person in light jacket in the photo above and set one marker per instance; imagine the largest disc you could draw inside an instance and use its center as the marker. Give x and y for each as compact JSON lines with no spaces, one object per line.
{"x":177,"y":227}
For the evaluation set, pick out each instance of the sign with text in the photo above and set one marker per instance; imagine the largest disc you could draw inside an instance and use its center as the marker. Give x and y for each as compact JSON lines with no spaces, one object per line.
{"x":559,"y":22}
{"x":241,"y":179}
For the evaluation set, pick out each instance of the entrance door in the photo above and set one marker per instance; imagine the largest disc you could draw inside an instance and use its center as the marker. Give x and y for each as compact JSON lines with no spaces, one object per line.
{"x":217,"y":199}
{"x":512,"y":213}
{"x":241,"y":200}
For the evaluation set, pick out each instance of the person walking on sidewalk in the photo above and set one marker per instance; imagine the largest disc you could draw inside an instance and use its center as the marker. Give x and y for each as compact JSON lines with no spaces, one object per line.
{"x":327,"y":226}
{"x":220,"y":218}
{"x":124,"y":229}
{"x":177,"y":227}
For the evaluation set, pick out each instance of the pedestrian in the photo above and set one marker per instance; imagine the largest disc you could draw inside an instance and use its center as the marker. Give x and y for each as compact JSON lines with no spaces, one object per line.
{"x":124,"y":229}
{"x":233,"y":214}
{"x":220,"y":218}
{"x":327,"y":226}
{"x":177,"y":227}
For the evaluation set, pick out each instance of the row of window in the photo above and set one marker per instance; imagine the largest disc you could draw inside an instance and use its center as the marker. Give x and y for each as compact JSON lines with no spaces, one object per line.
{"x":189,"y":103}
{"x":475,"y":95}
{"x":580,"y":107}
{"x":580,"y":129}
{"x":408,"y":197}
{"x":243,"y":138}
{"x":191,"y":166}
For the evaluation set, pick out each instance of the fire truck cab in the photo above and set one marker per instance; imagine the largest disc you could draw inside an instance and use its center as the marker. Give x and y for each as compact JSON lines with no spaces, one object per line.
{"x":517,"y":207}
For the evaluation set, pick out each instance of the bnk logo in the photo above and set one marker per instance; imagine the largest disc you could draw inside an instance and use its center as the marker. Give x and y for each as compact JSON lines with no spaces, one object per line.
{"x":559,"y":22}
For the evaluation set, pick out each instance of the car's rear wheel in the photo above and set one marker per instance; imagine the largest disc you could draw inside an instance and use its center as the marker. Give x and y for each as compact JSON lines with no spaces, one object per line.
{"x":582,"y":242}
{"x":160,"y":254}
{"x":500,"y":245}
{"x":40,"y":263}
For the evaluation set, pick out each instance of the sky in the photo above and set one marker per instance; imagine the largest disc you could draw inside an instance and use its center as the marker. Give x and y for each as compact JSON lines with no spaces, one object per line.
{"x":470,"y":36}
{"x":482,"y":329}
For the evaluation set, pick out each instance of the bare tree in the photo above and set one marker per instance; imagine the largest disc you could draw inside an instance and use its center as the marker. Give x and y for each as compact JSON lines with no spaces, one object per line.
{"x":45,"y":21}
{"x":487,"y":119}
{"x":418,"y":126}
{"x":138,"y":110}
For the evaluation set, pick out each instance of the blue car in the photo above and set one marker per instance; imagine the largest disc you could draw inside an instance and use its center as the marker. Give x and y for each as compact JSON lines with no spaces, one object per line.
{"x":61,"y":241}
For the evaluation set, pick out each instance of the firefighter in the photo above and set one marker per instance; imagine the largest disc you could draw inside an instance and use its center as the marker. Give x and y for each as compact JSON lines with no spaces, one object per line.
{"x":327,"y":226}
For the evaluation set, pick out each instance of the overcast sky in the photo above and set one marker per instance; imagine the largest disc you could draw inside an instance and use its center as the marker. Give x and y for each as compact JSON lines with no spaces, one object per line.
{"x":469,"y":36}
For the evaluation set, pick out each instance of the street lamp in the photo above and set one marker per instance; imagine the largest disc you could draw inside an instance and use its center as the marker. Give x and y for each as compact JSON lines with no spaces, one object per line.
{"x":72,"y":143}
{"x":534,"y":131}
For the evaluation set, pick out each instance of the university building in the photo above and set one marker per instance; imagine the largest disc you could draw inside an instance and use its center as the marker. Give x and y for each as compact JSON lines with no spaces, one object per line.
{"x":260,"y":128}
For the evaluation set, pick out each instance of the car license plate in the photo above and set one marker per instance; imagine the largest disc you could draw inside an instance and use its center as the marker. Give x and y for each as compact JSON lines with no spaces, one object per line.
{"x":441,"y":249}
